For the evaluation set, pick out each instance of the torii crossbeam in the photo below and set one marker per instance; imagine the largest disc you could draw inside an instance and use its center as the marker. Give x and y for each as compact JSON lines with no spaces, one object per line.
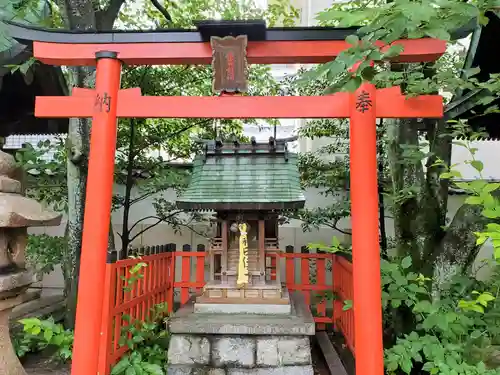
{"x":107,"y":103}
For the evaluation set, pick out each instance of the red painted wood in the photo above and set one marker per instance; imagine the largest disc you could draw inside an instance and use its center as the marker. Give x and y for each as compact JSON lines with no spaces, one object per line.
{"x":171,"y":282}
{"x":200,"y":271}
{"x":305,"y":279}
{"x":274,"y":265}
{"x":96,"y":223}
{"x":107,"y":316}
{"x":290,"y":272}
{"x":157,"y":289}
{"x":265,"y":52}
{"x":133,"y":92}
{"x":185,"y":277}
{"x":150,"y":290}
{"x":365,"y":234}
{"x":342,"y":286}
{"x":321,"y":280}
{"x":391,"y":104}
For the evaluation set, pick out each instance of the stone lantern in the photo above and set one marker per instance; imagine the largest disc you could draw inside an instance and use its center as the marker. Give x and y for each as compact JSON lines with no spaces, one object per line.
{"x":17,"y":213}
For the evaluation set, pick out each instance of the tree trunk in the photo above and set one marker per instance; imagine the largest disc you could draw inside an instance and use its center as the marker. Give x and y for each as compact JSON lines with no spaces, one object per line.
{"x":407,"y":180}
{"x":80,"y":15}
{"x":434,"y":200}
{"x":458,"y":249}
{"x":129,"y":183}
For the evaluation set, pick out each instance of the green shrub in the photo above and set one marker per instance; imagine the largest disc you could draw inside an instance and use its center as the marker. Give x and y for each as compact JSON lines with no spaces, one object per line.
{"x":38,"y":335}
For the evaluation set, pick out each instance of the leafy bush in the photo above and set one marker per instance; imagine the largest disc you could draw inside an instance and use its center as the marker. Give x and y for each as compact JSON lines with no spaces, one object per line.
{"x":43,"y":252}
{"x":451,"y":334}
{"x":147,"y":342}
{"x":38,"y":335}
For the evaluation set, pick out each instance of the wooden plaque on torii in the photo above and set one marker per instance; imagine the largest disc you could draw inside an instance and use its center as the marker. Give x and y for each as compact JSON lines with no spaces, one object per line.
{"x":229,"y":63}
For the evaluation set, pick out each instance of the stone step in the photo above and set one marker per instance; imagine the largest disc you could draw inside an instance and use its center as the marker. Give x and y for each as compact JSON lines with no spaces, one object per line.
{"x":38,"y":308}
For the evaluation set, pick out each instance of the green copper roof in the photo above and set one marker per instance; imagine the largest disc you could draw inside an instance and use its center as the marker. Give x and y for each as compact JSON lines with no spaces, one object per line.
{"x":244,"y":180}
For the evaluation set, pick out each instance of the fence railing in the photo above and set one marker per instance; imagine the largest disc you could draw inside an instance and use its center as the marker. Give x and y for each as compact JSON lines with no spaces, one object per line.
{"x":160,"y":274}
{"x":342,"y":286}
{"x":133,"y":288}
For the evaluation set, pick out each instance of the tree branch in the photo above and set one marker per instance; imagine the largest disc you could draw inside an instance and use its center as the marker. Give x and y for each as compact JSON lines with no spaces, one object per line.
{"x":106,"y":18}
{"x":144,"y":218}
{"x":173,"y":134}
{"x":144,"y":230}
{"x":142,"y":197}
{"x":162,"y":10}
{"x":341,"y":230}
{"x":187,"y":225}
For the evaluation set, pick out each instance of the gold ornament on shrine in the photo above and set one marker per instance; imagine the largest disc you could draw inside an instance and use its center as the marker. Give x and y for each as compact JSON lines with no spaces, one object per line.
{"x":229,"y":63}
{"x":242,"y":280}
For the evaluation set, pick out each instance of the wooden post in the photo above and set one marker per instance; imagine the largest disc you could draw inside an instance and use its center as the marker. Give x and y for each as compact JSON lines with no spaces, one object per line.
{"x":262,"y":251}
{"x":223,"y":257}
{"x":97,"y":216}
{"x":365,"y":232}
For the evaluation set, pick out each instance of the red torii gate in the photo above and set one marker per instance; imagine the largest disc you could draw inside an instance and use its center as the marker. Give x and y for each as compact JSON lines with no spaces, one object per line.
{"x":107,"y":103}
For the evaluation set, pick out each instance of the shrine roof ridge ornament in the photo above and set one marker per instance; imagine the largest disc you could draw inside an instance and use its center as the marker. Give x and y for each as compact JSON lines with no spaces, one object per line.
{"x":235,"y":148}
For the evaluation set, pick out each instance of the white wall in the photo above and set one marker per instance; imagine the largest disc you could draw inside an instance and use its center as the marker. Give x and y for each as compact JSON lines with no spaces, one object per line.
{"x":290,"y":234}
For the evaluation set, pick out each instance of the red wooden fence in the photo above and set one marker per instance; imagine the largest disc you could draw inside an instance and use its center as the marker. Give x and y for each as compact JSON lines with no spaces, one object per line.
{"x":127,"y":302}
{"x":342,"y":286}
{"x":135,"y":286}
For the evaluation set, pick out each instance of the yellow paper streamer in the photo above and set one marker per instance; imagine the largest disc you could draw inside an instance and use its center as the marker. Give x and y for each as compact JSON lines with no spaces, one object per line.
{"x":243,"y":262}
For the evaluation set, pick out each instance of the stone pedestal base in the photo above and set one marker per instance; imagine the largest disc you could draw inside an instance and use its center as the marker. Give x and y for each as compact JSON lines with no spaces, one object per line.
{"x":9,"y":363}
{"x":241,"y":344}
{"x":258,"y":306}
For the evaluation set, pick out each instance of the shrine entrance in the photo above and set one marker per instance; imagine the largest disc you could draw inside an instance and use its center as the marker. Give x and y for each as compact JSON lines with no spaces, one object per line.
{"x":107,"y":103}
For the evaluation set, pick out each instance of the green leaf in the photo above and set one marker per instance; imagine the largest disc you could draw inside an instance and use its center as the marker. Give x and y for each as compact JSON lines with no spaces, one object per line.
{"x":47,"y":335}
{"x":406,"y":262}
{"x":497,"y":253}
{"x":473,"y":200}
{"x":335,"y":70}
{"x":477,"y":165}
{"x":450,"y":174}
{"x":478,"y":185}
{"x":484,"y":298}
{"x":153,"y":369}
{"x":352,"y":84}
{"x":352,"y":39}
{"x":491,"y":187}
{"x":423,"y":306}
{"x":406,"y":365}
{"x":368,"y":73}
{"x":347,"y":305}
{"x":121,"y":366}
{"x":438,"y":33}
{"x":491,"y":214}
{"x":393,"y":51}
{"x":475,"y":334}
{"x":131,"y":371}
{"x":396,"y":303}
{"x":392,"y":366}
{"x":335,"y":242}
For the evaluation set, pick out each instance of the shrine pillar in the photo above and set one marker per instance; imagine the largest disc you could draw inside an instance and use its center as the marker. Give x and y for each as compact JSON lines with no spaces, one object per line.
{"x":365,"y":232}
{"x":97,"y":215}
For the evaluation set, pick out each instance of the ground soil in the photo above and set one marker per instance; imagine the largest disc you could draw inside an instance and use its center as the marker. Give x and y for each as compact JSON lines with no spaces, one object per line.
{"x":41,"y":364}
{"x":319,"y":364}
{"x":344,"y":353}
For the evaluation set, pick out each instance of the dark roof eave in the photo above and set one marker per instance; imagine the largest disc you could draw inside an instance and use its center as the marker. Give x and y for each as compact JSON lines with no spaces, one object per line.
{"x":229,"y":206}
{"x":26,"y":34}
